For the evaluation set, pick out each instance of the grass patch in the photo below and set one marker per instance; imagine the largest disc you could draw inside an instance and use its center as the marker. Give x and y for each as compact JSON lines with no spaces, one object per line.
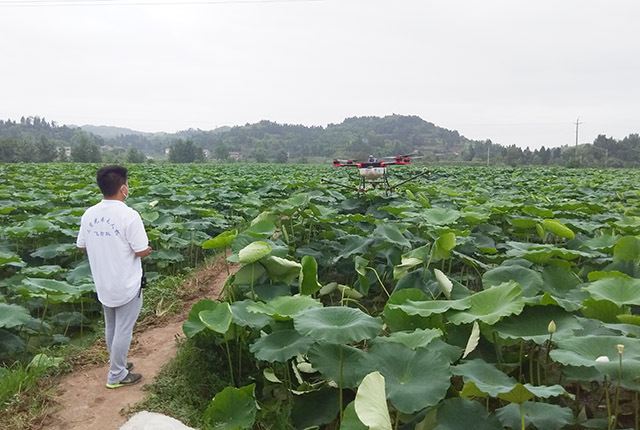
{"x":185,"y":386}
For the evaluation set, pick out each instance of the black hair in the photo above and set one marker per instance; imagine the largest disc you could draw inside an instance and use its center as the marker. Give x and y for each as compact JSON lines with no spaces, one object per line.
{"x":110,"y":179}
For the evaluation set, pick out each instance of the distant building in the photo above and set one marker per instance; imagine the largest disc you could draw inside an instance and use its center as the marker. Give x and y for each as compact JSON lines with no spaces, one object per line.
{"x":235,"y":155}
{"x":67,"y":151}
{"x":206,"y":153}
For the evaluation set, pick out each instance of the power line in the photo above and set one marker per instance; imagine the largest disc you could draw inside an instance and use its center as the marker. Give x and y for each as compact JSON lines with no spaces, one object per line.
{"x":88,"y":3}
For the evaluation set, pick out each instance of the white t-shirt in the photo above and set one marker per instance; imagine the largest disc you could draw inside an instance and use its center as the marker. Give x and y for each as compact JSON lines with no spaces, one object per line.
{"x":112,"y":233}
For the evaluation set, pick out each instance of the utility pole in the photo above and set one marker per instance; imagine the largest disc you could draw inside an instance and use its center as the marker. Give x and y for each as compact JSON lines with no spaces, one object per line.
{"x":577,"y":124}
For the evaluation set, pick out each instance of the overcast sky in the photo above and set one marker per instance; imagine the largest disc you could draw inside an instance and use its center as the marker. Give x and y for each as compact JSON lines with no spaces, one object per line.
{"x":515,"y":72}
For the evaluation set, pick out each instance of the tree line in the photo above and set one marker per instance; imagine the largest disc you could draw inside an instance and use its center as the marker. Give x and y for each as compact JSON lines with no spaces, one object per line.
{"x":34,"y":139}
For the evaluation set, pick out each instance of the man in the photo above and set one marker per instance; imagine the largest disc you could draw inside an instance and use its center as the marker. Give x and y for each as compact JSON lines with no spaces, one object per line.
{"x":113,"y":236}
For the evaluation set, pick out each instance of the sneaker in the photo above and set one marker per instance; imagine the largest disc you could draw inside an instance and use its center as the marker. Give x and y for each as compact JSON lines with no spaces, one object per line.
{"x":130,"y":379}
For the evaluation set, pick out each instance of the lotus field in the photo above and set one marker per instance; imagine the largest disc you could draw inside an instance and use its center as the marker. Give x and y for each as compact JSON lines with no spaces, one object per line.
{"x":480,"y":298}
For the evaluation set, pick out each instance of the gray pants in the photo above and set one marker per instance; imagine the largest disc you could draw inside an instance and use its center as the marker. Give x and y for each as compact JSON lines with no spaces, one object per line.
{"x":118,"y":331}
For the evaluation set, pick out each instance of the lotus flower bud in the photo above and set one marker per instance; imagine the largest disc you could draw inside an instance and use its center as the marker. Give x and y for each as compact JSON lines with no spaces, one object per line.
{"x":620,"y":348}
{"x":551,"y":328}
{"x":602,"y":359}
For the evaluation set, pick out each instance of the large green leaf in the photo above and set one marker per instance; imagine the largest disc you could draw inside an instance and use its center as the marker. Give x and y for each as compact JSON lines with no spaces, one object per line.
{"x":217,"y":319}
{"x":620,"y":291}
{"x":13,"y":315}
{"x":231,"y":409}
{"x":350,"y":420}
{"x":390,"y":233}
{"x":284,"y":308}
{"x":397,"y":319}
{"x":52,"y":290}
{"x":520,"y":393}
{"x":328,"y":357}
{"x":371,"y":402}
{"x":585,"y":350}
{"x":253,"y":252}
{"x":315,"y":408}
{"x":418,"y":338}
{"x":489,"y":306}
{"x":309,"y":276}
{"x":415,"y":379}
{"x":443,"y":245}
{"x":54,"y":250}
{"x":541,"y":415}
{"x":337,"y":324}
{"x":558,"y":228}
{"x":533,"y":323}
{"x":486,"y":377}
{"x":243,"y":317}
{"x":439,"y":216}
{"x":193,"y":325}
{"x":530,"y":281}
{"x":222,"y":240}
{"x":458,"y":414}
{"x":281,"y":269}
{"x":426,"y":308}
{"x":280,"y":346}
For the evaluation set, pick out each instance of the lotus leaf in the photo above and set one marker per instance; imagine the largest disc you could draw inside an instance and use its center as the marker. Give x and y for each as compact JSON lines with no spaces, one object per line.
{"x":532,"y":324}
{"x":397,"y":319}
{"x":558,"y":228}
{"x":9,"y":342}
{"x":354,"y":245}
{"x":54,"y":250}
{"x":264,"y":228}
{"x":541,"y":415}
{"x":193,"y":325}
{"x":415,"y":379}
{"x":620,"y":291}
{"x":350,"y":420}
{"x":231,"y":409}
{"x":489,"y":306}
{"x":443,"y":245}
{"x":222,"y":240}
{"x":530,"y":281}
{"x":485,"y":376}
{"x":474,"y":339}
{"x":456,"y":414}
{"x":371,"y":403}
{"x":8,"y":257}
{"x":337,"y":324}
{"x":308,"y":278}
{"x":429,"y":307}
{"x":439,"y":216}
{"x":217,"y":319}
{"x":253,"y":252}
{"x":315,"y":408}
{"x":242,"y":316}
{"x":627,"y":249}
{"x":418,"y":338}
{"x":248,"y":274}
{"x":13,"y":315}
{"x":281,"y":269}
{"x":284,"y":308}
{"x":407,"y":263}
{"x":52,"y":290}
{"x":280,"y":346}
{"x":390,"y":233}
{"x":583,"y":351}
{"x":327,"y":358}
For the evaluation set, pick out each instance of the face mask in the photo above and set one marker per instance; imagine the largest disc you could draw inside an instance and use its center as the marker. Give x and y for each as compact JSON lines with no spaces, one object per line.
{"x":126,"y":195}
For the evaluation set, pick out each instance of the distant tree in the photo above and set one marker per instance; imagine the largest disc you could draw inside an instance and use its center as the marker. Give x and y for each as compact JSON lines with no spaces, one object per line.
{"x":46,"y":150}
{"x":85,"y":151}
{"x":185,"y":151}
{"x":8,"y":150}
{"x":221,"y":152}
{"x":282,"y":156}
{"x":259,"y":154}
{"x":27,"y":151}
{"x":135,"y":156}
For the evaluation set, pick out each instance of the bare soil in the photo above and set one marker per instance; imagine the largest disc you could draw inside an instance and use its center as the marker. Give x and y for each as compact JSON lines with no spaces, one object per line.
{"x":84,"y":402}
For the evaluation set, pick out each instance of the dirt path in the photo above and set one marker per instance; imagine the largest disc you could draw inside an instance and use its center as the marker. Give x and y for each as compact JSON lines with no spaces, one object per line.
{"x":85,"y":403}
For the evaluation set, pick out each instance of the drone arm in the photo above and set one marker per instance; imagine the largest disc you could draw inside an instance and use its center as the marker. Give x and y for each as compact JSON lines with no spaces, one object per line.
{"x":341,"y":185}
{"x":424,"y":172}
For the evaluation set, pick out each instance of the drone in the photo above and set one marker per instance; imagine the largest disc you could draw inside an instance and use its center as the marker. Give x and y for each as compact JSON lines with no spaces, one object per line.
{"x":373,"y":173}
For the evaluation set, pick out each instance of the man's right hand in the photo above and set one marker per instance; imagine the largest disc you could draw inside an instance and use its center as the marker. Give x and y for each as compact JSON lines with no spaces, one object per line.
{"x":144,"y":253}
